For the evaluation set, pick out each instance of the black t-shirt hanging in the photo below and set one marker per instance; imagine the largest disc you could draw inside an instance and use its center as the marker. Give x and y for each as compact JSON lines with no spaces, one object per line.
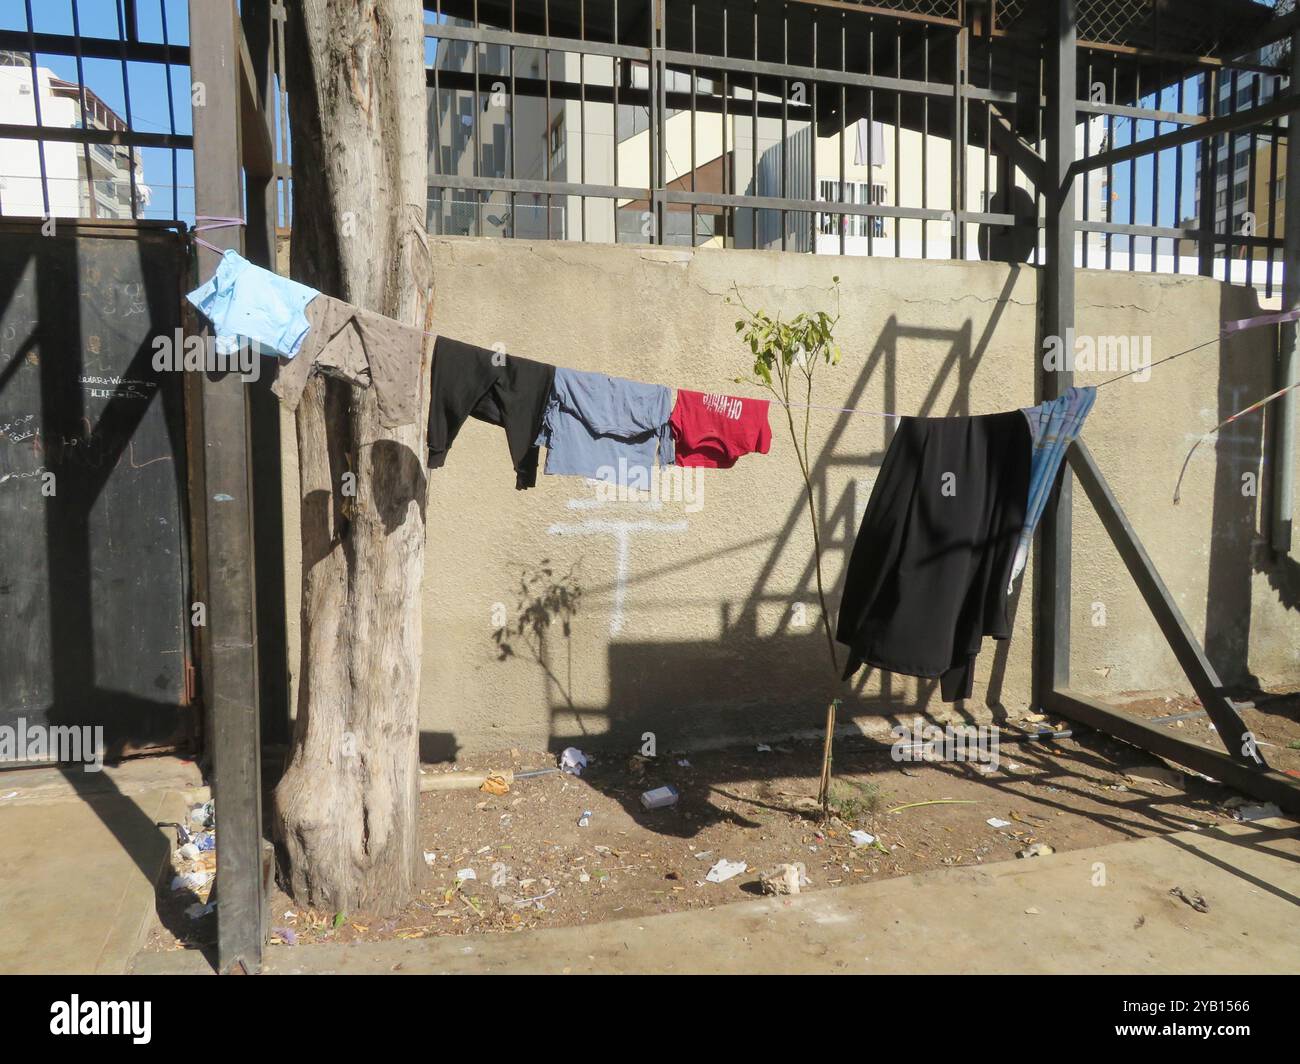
{"x":492,"y":386}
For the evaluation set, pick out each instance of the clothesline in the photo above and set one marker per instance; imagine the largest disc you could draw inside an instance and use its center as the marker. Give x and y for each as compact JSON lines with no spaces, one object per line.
{"x":593,"y":424}
{"x":1228,"y":328}
{"x":909,"y":574}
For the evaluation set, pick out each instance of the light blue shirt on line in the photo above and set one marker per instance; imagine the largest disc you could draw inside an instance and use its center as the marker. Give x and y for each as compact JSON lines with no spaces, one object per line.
{"x":244,"y":300}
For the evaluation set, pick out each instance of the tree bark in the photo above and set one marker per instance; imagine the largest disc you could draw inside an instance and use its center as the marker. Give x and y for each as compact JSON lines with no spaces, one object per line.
{"x":345,"y":810}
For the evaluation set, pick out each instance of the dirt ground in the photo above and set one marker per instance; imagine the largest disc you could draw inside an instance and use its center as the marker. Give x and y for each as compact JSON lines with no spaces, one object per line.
{"x":535,"y":865}
{"x":1273,"y":718}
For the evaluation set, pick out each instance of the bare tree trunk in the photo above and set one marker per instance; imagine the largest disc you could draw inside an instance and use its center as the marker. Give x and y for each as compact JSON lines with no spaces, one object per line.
{"x":345,"y":811}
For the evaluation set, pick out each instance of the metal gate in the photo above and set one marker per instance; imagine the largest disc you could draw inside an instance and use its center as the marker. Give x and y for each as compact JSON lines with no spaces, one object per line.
{"x":94,"y":570}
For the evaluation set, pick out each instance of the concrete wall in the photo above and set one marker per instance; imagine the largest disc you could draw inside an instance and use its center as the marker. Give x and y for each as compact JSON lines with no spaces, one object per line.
{"x":697,"y":620}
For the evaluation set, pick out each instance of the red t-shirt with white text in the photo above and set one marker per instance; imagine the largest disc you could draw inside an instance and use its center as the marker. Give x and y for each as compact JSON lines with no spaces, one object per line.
{"x":714,"y":430}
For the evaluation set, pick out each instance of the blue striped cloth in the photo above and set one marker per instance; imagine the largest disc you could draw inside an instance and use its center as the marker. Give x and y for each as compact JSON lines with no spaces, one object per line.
{"x":1053,"y":426}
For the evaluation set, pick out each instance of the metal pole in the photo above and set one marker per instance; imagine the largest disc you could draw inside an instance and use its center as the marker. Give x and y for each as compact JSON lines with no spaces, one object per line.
{"x":1288,"y":361}
{"x":1052,"y":576}
{"x":224,"y":520}
{"x":1209,"y":177}
{"x":268,"y":507}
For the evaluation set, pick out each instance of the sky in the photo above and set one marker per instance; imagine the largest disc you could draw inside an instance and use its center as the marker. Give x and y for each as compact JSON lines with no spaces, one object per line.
{"x":146,"y":82}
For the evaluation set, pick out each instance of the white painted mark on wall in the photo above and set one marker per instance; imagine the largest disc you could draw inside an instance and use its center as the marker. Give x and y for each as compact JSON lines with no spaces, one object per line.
{"x":622,"y":531}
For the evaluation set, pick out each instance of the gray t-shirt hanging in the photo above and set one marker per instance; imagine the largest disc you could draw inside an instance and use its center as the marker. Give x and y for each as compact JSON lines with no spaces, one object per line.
{"x":606,"y":428}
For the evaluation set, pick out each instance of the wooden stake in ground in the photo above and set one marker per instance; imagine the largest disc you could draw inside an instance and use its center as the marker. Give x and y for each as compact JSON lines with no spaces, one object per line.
{"x":345,"y":811}
{"x":828,"y":746}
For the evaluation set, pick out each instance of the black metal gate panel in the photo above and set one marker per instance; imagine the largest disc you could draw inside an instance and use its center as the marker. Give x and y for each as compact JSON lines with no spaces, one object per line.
{"x":94,"y":569}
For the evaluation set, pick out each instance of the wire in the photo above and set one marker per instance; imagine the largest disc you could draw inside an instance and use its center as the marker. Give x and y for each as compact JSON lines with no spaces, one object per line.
{"x":1227,"y":421}
{"x":1158,"y":362}
{"x":1229,"y":327}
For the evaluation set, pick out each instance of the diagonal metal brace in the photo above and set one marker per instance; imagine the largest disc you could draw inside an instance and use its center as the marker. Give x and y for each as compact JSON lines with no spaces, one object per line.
{"x":1232,"y":730}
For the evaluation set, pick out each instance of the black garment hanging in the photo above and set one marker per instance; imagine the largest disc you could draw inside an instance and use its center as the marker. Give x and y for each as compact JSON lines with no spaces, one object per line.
{"x":501,"y":389}
{"x":927,"y":579}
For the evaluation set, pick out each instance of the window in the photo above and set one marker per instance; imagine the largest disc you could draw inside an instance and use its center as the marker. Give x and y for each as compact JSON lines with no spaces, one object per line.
{"x":465,"y":126}
{"x":631,"y":121}
{"x":555,"y":139}
{"x":852,"y":224}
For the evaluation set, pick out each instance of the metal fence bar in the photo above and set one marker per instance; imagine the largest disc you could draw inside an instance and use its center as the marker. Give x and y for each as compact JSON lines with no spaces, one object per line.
{"x":1132,"y":167}
{"x":92,"y":47}
{"x":796,"y":72}
{"x":1282,"y":517}
{"x":1250,"y":176}
{"x":488,"y":35}
{"x":925,"y":140}
{"x":1052,"y":575}
{"x":546,"y":146}
{"x":1265,"y":784}
{"x":1157,"y":101}
{"x":538,"y":186}
{"x":476,"y":129}
{"x":870,"y":210}
{"x":812,"y":145}
{"x":81,"y":107}
{"x":844,"y":133}
{"x":1209,"y":177}
{"x":1274,"y":141}
{"x":1178,"y":180}
{"x":787,"y":44}
{"x":753,"y":140}
{"x":126,"y":98}
{"x":1178,"y":116}
{"x":36,"y":107}
{"x":224,"y":550}
{"x":1231,"y":220}
{"x":1223,"y":124}
{"x":898,"y":143}
{"x":124,"y":138}
{"x":171,"y":105}
{"x":961,"y":94}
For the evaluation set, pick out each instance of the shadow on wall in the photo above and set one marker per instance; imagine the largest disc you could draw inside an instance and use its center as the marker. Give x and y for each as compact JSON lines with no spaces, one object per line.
{"x":745,"y":682}
{"x":1239,"y":540}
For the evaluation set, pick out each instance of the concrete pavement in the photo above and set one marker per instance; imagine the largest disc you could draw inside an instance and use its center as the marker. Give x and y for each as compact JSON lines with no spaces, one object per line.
{"x":81,"y":853}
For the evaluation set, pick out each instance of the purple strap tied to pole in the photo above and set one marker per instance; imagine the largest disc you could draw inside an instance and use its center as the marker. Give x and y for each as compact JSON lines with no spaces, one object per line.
{"x":217,"y":221}
{"x":1262,"y":319}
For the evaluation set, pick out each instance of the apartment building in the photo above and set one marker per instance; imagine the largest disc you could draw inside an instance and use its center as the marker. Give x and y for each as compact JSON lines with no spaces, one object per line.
{"x":88,"y":181}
